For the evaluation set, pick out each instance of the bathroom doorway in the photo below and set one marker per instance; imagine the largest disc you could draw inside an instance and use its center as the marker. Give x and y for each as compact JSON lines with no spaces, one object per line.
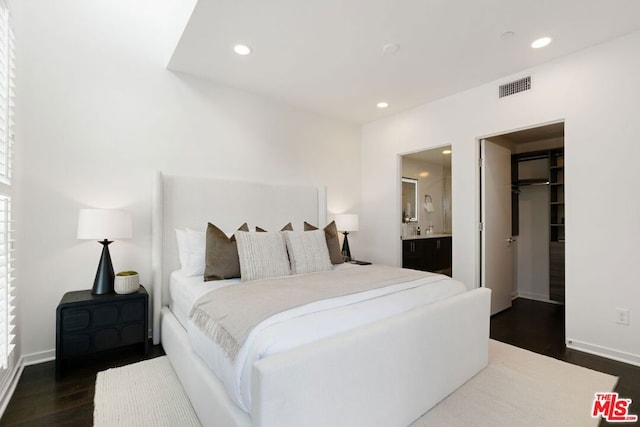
{"x":426,"y":211}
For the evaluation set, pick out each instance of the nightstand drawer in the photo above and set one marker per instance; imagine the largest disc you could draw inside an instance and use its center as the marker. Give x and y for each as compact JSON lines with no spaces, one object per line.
{"x":104,"y":316}
{"x":75,"y":344}
{"x":130,"y":334}
{"x":133,"y":311}
{"x":73,"y":320}
{"x":105,"y":339}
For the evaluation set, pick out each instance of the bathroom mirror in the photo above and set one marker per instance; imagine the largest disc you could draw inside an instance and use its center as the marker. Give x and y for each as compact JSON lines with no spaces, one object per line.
{"x":409,"y":200}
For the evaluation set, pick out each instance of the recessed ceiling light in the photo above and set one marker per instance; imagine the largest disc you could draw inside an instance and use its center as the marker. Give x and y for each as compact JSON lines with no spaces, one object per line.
{"x":382,"y":104}
{"x":242,"y":49}
{"x":541,"y":42}
{"x":446,"y":152}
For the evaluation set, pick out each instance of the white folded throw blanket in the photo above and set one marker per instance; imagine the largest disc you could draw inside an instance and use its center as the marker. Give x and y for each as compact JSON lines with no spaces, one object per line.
{"x":229,"y":314}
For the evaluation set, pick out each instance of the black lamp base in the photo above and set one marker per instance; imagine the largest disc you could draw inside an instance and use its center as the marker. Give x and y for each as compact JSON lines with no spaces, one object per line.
{"x":103,"y":284}
{"x":346,"y":252}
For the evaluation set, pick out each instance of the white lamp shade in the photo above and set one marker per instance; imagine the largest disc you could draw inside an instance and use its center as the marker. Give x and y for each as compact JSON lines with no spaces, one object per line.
{"x":104,"y":224}
{"x":347,"y":222}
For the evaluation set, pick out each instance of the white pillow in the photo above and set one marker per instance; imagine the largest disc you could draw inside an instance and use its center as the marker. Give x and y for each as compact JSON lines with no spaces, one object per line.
{"x":196,"y":244}
{"x":262,"y":255}
{"x":183,"y":247}
{"x":308,"y":251}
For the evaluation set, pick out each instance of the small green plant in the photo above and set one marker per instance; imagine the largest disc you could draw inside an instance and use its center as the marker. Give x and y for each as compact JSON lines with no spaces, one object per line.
{"x":127,"y":273}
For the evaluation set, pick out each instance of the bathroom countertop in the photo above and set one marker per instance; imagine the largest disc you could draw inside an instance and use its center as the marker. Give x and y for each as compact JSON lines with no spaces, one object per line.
{"x":426,"y":236}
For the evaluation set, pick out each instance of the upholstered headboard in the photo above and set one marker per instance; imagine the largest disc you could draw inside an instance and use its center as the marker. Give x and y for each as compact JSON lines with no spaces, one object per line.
{"x":191,"y":202}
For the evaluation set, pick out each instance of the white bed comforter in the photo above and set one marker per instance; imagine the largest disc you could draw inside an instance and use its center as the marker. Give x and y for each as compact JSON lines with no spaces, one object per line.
{"x":313,"y":322}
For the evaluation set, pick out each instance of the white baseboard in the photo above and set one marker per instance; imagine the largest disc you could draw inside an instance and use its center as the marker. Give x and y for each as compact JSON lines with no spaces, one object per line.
{"x":7,"y":392}
{"x":609,"y":353}
{"x":40,"y":357}
{"x":536,"y":297}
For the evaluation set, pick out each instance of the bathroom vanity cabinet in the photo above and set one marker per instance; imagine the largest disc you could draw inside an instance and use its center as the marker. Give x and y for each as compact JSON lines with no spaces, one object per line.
{"x":427,"y":253}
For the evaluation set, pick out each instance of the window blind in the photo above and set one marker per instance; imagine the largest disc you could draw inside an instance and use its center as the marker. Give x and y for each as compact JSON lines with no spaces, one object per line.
{"x":7,"y":125}
{"x":6,"y":279}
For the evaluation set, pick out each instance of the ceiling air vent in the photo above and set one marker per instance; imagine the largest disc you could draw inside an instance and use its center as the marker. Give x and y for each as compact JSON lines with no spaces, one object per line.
{"x":514,"y":87}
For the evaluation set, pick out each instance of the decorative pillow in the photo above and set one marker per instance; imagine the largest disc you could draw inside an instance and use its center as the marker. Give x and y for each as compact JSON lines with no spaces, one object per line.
{"x":221,"y":260}
{"x":308,"y":251}
{"x":333,"y":241}
{"x":196,"y":241}
{"x":287,"y":227}
{"x":183,"y":248}
{"x":262,"y":255}
{"x":191,"y":251}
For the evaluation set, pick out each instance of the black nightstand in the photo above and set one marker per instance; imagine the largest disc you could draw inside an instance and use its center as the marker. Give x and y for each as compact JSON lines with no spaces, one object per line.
{"x":88,"y":324}
{"x":353,"y":261}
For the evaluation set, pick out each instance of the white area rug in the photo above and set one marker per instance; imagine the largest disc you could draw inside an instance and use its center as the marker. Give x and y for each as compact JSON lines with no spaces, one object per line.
{"x":518,"y":388}
{"x":142,"y":394}
{"x":521,"y":388}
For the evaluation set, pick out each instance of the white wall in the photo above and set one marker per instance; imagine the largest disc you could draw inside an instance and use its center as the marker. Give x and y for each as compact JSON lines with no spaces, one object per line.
{"x":595,"y":92}
{"x":98,"y":113}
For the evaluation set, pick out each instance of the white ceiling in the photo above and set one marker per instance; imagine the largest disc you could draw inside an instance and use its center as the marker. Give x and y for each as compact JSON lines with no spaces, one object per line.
{"x":326,"y":55}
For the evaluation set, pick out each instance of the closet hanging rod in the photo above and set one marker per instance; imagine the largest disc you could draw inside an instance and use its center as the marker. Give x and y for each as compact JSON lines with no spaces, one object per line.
{"x":526,"y":183}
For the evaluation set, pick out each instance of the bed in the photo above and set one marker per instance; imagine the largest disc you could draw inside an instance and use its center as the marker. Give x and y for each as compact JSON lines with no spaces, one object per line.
{"x":388,"y":372}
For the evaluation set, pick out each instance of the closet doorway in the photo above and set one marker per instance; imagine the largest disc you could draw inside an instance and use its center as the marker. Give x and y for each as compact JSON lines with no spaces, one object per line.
{"x":526,"y":258}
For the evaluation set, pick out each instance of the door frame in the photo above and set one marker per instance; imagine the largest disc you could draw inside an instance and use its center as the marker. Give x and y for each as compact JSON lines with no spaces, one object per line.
{"x":479,"y":260}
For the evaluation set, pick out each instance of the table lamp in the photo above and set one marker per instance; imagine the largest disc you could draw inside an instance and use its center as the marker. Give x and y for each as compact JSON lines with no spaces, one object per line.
{"x":104,"y":224}
{"x":346,"y":223}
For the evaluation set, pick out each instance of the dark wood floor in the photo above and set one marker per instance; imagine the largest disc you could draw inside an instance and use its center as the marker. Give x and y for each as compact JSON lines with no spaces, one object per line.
{"x":539,"y":327}
{"x":40,"y":400}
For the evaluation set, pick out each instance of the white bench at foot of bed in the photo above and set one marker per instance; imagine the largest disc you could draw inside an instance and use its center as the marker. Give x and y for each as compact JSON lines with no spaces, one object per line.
{"x":388,"y":373}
